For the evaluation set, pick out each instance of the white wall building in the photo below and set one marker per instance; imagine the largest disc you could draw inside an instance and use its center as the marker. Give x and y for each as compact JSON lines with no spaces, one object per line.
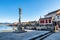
{"x":55,"y":15}
{"x":54,"y":18}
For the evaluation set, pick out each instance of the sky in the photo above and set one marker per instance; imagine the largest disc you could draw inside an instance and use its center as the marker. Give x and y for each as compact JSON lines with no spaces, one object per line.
{"x":31,"y":9}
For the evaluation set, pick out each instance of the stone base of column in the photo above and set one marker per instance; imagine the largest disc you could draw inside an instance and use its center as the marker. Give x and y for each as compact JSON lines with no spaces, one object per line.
{"x":19,"y":31}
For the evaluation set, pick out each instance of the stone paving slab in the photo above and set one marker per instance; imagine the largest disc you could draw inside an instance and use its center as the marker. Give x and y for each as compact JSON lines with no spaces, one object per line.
{"x":20,"y":36}
{"x":54,"y":36}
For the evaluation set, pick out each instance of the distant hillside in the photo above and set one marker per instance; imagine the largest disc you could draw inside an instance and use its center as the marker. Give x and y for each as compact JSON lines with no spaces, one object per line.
{"x":5,"y":23}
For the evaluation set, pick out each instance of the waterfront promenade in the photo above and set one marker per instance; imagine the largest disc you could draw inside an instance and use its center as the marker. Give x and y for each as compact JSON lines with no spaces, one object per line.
{"x":21,"y":36}
{"x":55,"y":36}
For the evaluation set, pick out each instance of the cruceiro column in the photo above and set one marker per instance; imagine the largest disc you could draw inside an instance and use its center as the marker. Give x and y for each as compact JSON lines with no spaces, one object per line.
{"x":19,"y":24}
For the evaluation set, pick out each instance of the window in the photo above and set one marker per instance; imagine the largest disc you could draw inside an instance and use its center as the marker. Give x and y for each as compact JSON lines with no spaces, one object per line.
{"x":46,"y":21}
{"x":41,"y":21}
{"x":57,"y":17}
{"x":49,"y":21}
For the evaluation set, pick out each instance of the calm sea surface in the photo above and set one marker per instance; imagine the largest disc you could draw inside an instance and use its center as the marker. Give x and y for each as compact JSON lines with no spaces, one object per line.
{"x":5,"y":28}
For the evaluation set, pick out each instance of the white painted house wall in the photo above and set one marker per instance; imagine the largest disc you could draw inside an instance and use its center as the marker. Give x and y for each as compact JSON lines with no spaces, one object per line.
{"x":56,"y":18}
{"x":51,"y":15}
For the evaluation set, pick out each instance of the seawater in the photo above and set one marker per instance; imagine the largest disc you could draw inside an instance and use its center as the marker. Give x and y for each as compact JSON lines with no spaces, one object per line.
{"x":4,"y":27}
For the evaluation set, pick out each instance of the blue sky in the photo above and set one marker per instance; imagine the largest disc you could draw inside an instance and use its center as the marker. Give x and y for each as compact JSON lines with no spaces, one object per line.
{"x":31,"y":9}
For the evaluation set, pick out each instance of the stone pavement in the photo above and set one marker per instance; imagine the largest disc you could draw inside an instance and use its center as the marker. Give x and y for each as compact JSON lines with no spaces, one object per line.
{"x":21,"y":36}
{"x":54,"y":36}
